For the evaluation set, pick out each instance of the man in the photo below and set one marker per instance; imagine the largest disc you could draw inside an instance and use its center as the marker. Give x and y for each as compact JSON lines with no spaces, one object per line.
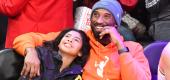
{"x":111,"y":58}
{"x":41,"y":16}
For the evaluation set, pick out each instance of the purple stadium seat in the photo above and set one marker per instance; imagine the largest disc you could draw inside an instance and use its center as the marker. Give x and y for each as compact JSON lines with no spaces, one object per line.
{"x":153,"y":52}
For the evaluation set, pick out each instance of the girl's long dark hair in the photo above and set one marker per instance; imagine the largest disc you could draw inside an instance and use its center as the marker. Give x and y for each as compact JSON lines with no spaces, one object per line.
{"x":53,"y":45}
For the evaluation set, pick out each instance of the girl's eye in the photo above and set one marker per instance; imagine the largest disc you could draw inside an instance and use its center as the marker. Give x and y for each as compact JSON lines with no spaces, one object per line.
{"x":77,"y":40}
{"x":67,"y":35}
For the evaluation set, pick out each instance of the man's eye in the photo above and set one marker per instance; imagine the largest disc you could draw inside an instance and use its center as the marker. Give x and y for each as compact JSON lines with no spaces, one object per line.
{"x":95,"y":15}
{"x":107,"y":17}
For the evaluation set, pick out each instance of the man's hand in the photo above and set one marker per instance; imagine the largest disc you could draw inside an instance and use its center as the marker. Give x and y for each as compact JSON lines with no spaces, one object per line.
{"x":31,"y":66}
{"x":114,"y":34}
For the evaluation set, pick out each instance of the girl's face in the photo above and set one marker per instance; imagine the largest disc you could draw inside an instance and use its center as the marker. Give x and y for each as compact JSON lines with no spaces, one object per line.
{"x":71,"y":43}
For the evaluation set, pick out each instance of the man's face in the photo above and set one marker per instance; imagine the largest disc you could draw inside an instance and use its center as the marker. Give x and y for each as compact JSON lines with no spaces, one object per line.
{"x":101,"y":18}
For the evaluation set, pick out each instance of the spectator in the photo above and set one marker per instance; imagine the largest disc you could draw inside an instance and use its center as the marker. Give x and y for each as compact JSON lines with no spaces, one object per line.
{"x":36,"y":16}
{"x":123,"y":29}
{"x":110,"y":56}
{"x":160,"y":19}
{"x":164,"y":64}
{"x":136,"y":18}
{"x":68,"y":53}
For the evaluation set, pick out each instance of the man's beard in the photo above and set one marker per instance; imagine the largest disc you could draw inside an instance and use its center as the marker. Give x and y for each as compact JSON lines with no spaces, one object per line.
{"x":105,"y":39}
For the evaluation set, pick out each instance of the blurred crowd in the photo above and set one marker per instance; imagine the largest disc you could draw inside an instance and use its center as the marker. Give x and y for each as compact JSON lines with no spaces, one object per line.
{"x":144,"y":20}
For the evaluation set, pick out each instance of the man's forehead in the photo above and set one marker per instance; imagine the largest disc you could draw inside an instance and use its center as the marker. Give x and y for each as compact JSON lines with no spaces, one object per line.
{"x":104,"y":11}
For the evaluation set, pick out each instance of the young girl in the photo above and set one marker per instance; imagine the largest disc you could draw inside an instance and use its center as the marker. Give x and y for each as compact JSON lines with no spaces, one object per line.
{"x":64,"y":57}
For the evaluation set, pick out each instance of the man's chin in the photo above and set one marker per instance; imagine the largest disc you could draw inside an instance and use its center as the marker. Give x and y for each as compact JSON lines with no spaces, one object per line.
{"x":105,"y":40}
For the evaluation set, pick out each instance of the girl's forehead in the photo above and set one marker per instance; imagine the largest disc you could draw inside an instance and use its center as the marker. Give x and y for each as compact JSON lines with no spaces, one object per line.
{"x":74,"y":33}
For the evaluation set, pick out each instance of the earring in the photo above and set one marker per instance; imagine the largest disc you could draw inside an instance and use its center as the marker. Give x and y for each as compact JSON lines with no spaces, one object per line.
{"x":79,"y":54}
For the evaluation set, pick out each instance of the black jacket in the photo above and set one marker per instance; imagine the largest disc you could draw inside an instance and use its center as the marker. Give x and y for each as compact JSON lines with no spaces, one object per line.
{"x":159,"y":9}
{"x":51,"y":62}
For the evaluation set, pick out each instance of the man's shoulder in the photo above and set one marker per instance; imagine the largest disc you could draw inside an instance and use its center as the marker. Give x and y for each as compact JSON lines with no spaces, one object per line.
{"x":89,"y":33}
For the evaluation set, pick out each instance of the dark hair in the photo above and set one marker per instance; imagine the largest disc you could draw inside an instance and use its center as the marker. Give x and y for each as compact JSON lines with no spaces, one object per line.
{"x":53,"y":45}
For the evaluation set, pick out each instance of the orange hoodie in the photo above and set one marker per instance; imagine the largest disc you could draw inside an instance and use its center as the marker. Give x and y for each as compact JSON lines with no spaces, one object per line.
{"x":104,"y":63}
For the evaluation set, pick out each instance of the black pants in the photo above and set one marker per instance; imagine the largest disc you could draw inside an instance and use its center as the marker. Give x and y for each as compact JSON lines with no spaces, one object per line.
{"x":3,"y":30}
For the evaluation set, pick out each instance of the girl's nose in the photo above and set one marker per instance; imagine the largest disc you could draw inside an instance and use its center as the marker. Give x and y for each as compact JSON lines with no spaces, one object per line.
{"x":70,"y":40}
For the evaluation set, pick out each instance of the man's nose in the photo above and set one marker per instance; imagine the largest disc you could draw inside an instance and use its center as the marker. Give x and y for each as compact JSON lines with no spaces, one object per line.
{"x":100,"y":20}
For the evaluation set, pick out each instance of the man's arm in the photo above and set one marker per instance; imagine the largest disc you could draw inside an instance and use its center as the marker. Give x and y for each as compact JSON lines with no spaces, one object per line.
{"x":134,"y":65}
{"x":12,"y":7}
{"x":25,"y":45}
{"x":31,"y":40}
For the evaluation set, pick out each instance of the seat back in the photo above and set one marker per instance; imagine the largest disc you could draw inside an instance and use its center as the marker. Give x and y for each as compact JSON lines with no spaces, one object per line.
{"x":10,"y":64}
{"x":153,"y":52}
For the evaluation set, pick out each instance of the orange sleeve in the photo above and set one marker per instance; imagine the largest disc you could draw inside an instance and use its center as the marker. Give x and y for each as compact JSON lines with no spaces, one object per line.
{"x":31,"y":40}
{"x":12,"y":7}
{"x":134,"y":65}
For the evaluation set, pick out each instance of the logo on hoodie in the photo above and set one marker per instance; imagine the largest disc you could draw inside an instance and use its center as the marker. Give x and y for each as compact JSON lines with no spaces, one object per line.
{"x":100,"y":66}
